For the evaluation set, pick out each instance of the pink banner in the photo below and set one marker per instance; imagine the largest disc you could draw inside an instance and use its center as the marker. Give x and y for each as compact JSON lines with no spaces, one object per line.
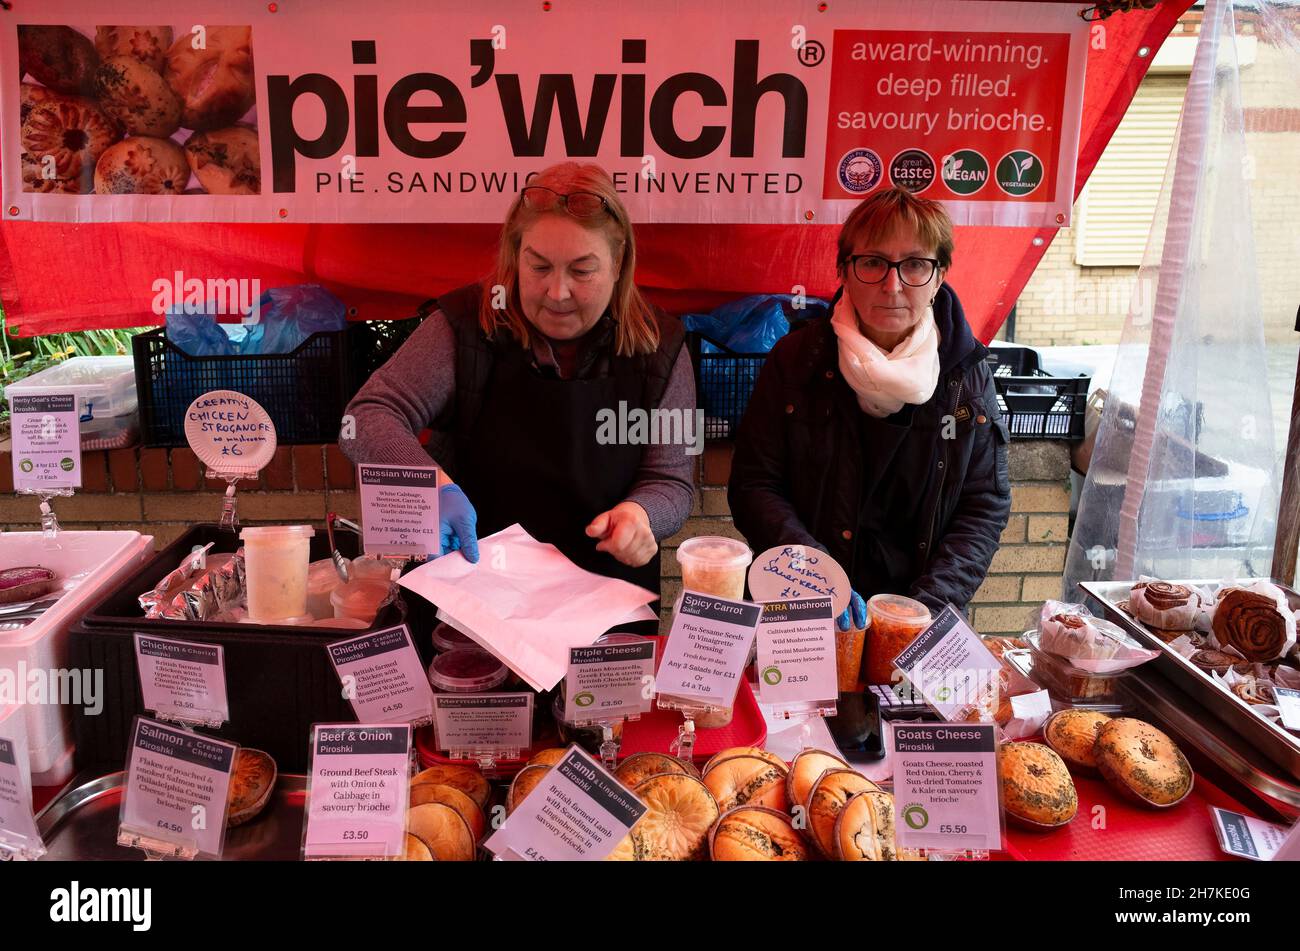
{"x":739,"y":111}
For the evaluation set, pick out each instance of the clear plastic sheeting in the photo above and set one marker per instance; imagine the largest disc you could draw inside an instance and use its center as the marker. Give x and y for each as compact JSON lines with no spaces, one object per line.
{"x":1184,"y":479}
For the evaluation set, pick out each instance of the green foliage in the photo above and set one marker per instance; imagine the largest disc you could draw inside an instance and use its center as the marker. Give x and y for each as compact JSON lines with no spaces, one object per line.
{"x":21,"y":357}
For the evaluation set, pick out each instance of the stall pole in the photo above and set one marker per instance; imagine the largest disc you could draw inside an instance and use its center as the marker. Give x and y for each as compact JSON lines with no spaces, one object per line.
{"x":1288,"y":509}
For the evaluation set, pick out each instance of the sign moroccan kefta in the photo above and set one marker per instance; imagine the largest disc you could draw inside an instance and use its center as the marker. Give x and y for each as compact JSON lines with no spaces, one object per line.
{"x":732,"y":111}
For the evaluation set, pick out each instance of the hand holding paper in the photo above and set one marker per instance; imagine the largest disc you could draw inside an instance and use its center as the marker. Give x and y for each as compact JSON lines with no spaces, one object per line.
{"x":527,"y":603}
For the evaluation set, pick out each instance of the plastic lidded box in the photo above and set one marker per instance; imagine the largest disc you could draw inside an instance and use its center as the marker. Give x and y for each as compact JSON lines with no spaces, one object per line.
{"x":1071,"y":684}
{"x":104,"y":386}
{"x":466,"y":670}
{"x":446,"y":638}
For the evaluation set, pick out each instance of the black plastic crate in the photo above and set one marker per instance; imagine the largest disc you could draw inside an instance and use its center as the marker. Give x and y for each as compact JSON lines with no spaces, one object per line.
{"x":279,"y":679}
{"x":724,"y":382}
{"x":1038,"y":406}
{"x":1013,"y":361}
{"x":304,"y":391}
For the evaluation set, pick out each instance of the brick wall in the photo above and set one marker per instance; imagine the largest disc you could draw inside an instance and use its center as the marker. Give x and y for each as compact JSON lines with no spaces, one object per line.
{"x":1025,"y":572}
{"x":162,"y":492}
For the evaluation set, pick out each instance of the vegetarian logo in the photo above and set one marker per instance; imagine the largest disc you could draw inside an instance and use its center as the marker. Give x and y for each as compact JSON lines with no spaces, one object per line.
{"x":1019,"y":173}
{"x":584,"y":699}
{"x":26,"y":465}
{"x":916,"y":817}
{"x":771,"y":676}
{"x":942,"y":694}
{"x":965,"y":171}
{"x":860,"y":171}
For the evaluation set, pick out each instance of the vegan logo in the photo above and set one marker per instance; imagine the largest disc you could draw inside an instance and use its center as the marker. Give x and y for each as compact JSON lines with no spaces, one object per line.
{"x":66,"y":464}
{"x":1019,"y":173}
{"x":916,"y":817}
{"x":912,"y":169}
{"x":771,"y":676}
{"x":965,"y":171}
{"x":860,"y":171}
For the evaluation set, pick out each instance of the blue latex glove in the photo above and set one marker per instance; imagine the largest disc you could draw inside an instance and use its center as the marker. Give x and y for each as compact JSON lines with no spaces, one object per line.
{"x":856,"y":613}
{"x":457,"y":523}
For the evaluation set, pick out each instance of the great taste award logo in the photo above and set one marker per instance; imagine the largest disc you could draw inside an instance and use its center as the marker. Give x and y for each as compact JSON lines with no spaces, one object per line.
{"x":860,"y":171}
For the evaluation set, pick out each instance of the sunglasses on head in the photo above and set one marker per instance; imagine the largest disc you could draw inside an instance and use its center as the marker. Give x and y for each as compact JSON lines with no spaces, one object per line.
{"x":578,"y":204}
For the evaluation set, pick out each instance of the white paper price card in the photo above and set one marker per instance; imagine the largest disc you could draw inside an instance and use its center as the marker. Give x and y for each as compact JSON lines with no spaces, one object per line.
{"x":46,"y":432}
{"x":707,"y":649}
{"x":796,"y":654}
{"x":577,"y":813}
{"x":1288,"y":705}
{"x":19,"y":837}
{"x":610,"y":680}
{"x":182,"y":681}
{"x":399,"y":509}
{"x":383,"y":678}
{"x":176,"y":784}
{"x":357,"y":791}
{"x":1247,"y":837}
{"x":950,"y":667}
{"x":946,"y":786}
{"x":483,"y":722}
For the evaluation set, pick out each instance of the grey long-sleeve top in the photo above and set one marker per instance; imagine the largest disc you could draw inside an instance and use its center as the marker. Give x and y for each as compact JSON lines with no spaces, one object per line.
{"x":409,"y":391}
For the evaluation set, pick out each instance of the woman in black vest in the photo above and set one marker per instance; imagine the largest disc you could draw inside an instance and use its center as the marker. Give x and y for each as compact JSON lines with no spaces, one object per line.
{"x":529,"y":382}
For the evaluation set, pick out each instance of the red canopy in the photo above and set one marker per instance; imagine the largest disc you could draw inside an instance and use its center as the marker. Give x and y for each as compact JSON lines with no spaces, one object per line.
{"x":59,"y":277}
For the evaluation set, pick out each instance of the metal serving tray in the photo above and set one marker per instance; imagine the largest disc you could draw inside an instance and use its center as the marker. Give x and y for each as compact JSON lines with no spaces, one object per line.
{"x":80,"y":824}
{"x":1278,"y":744}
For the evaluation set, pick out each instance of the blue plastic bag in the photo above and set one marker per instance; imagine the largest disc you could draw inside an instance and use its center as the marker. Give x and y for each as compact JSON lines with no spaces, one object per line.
{"x":194,"y":329}
{"x":754,"y":324}
{"x":744,"y":330}
{"x":289,"y":315}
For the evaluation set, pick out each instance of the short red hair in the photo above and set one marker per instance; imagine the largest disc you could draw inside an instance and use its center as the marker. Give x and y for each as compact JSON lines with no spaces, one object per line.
{"x":885,"y":212}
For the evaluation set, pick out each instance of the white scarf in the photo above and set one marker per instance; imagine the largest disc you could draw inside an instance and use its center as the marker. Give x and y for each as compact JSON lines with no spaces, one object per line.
{"x":886,"y":379}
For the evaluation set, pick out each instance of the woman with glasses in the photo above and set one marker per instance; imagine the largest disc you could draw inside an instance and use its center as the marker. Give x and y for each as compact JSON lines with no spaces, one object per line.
{"x":875,"y":435}
{"x":517,"y":378}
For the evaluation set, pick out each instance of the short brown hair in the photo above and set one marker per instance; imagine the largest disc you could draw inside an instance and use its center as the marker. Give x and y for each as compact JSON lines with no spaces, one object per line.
{"x":637,"y":331}
{"x":882,"y":213}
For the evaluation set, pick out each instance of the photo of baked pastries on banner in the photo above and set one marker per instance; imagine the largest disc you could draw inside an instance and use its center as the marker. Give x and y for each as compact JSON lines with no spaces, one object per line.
{"x":138,"y":110}
{"x":770,"y":113}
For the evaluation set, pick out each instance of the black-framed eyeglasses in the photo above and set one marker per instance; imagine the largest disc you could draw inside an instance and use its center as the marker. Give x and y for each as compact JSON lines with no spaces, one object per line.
{"x":578,"y":204}
{"x":872,"y":269}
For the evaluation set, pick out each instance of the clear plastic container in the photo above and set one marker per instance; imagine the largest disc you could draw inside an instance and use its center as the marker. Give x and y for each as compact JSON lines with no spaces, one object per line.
{"x":322,"y":579}
{"x":104,"y":386}
{"x":1068,"y":683}
{"x":447,"y":638}
{"x":893,"y":623}
{"x":110,"y":432}
{"x":712,"y":564}
{"x":467,"y":670}
{"x":848,"y":657}
{"x":369,"y":569}
{"x":360,"y":598}
{"x":275,"y":565}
